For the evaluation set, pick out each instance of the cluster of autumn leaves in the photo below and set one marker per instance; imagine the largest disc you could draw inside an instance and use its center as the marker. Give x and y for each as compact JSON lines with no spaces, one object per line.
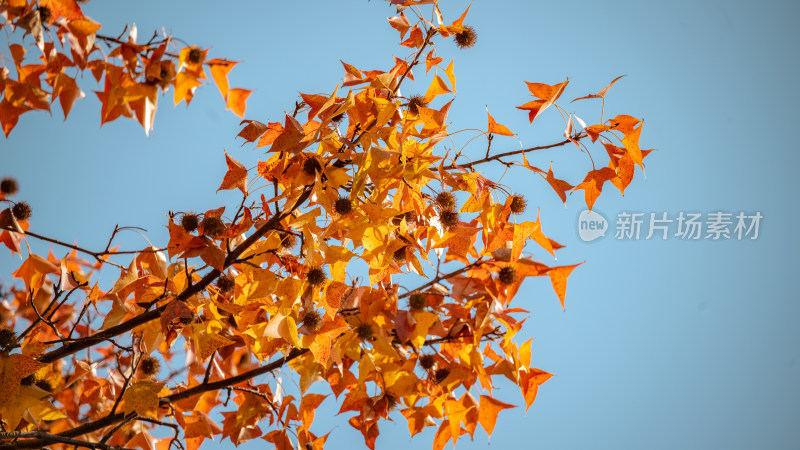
{"x":131,"y":74}
{"x":274,"y":283}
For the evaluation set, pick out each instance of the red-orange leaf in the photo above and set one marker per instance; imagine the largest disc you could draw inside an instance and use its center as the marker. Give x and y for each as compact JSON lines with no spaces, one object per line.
{"x":558,"y":276}
{"x":560,"y":186}
{"x":497,"y":128}
{"x":62,"y":8}
{"x":235,"y":177}
{"x":252,"y":131}
{"x":593,"y":184}
{"x":529,"y":382}
{"x":546,"y":93}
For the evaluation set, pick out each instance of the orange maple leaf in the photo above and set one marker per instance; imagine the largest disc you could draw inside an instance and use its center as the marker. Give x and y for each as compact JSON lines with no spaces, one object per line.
{"x":497,"y":128}
{"x":592,"y":185}
{"x":237,"y":100}
{"x":547,"y":95}
{"x":219,"y":72}
{"x":235,"y":177}
{"x":560,"y":186}
{"x":488,"y":411}
{"x":558,"y":277}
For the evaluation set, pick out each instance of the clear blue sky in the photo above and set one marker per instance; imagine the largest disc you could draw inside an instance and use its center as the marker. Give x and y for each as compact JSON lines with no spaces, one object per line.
{"x":664,"y":344}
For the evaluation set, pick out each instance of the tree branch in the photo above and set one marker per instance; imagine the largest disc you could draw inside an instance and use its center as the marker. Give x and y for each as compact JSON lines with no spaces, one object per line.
{"x":191,"y":392}
{"x":497,"y":157}
{"x":89,"y":341}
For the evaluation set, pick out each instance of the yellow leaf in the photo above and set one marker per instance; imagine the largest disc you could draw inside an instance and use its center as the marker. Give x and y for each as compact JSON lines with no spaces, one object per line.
{"x":13,"y":369}
{"x":451,"y":75}
{"x":437,"y":87}
{"x":424,"y":322}
{"x":142,"y":398}
{"x":208,"y":343}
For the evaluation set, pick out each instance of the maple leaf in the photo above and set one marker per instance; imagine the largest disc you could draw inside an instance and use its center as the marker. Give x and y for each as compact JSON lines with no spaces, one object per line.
{"x":33,"y":271}
{"x":488,"y":411}
{"x":436,"y":88}
{"x":400,"y":23}
{"x":208,"y":342}
{"x":529,"y":383}
{"x":560,"y":186}
{"x":235,"y":177}
{"x":602,"y":92}
{"x":592,"y":185}
{"x":547,"y":95}
{"x":174,"y":316}
{"x":623,"y":123}
{"x":13,"y":368}
{"x":496,"y":128}
{"x":141,"y":397}
{"x":219,"y":69}
{"x":29,"y":402}
{"x":432,"y":60}
{"x":558,"y":277}
{"x":237,"y":100}
{"x":62,"y":8}
{"x":631,"y":143}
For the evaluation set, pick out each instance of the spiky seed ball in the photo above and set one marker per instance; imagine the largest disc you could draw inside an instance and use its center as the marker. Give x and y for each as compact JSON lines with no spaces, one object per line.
{"x":44,"y":14}
{"x":518,"y":204}
{"x":415,"y":103}
{"x":399,"y":255}
{"x":311,"y":166}
{"x":441,"y":374}
{"x":315,"y":276}
{"x":8,"y":339}
{"x":288,"y":241}
{"x":417,"y":301}
{"x":507,"y":275}
{"x":337,"y":118}
{"x":448,"y":218}
{"x":391,"y":402}
{"x":195,"y":55}
{"x":44,"y":385}
{"x":446,"y":200}
{"x":365,"y":331}
{"x":8,"y":186}
{"x":22,"y":211}
{"x":226,"y":283}
{"x":427,"y":361}
{"x":29,"y":380}
{"x":466,"y":38}
{"x":213,"y":226}
{"x":342,"y":206}
{"x":149,"y":366}
{"x":312,"y":320}
{"x":189,"y":222}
